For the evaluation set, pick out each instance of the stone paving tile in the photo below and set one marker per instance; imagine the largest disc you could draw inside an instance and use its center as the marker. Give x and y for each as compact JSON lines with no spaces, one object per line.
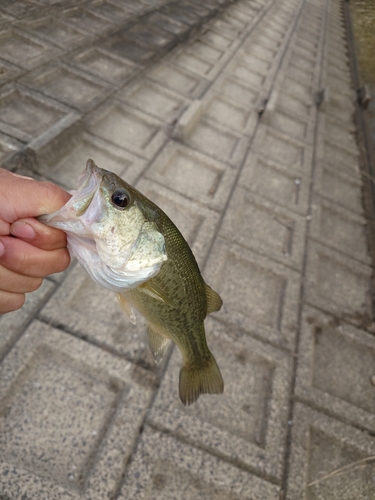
{"x":338,"y":187}
{"x":266,"y":228}
{"x":127,"y":128}
{"x":196,"y":222}
{"x":164,"y":468}
{"x":64,"y":164}
{"x":339,"y":156}
{"x":219,"y":142}
{"x":68,"y":85}
{"x":335,"y":368}
{"x":247,"y":424}
{"x":179,"y":80}
{"x":8,"y":146}
{"x":283,"y":149}
{"x":259,"y":295}
{"x":338,"y":284}
{"x":54,"y":31}
{"x":13,"y":324}
{"x":239,"y":92}
{"x":276,"y":183}
{"x":340,"y":229}
{"x":179,"y":168}
{"x":18,"y":9}
{"x":93,"y":314}
{"x":337,"y":133}
{"x":80,"y":453}
{"x":227,"y":112}
{"x":109,"y":10}
{"x":8,"y":72}
{"x":24,"y":50}
{"x":195,"y":63}
{"x":103,"y":64}
{"x":166,"y":23}
{"x":90,"y":22}
{"x":321,"y":445}
{"x":25,"y":115}
{"x":153,"y":99}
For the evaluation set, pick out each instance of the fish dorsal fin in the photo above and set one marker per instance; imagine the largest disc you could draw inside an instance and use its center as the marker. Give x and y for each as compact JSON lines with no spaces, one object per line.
{"x":127,"y":308}
{"x":214,"y":301}
{"x":155,"y":292}
{"x":158,"y":344}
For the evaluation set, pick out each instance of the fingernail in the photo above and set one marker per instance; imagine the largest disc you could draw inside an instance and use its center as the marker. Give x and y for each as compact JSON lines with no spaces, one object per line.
{"x":2,"y":248}
{"x":22,"y":230}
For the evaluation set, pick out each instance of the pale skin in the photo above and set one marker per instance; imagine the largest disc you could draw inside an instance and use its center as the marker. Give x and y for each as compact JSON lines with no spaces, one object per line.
{"x":29,"y":250}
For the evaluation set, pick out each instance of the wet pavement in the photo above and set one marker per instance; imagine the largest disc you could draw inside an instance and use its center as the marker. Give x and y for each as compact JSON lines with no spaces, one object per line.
{"x":237,"y":119}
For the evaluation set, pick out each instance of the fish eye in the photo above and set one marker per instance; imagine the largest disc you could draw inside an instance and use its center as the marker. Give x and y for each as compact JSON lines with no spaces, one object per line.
{"x":120,"y":198}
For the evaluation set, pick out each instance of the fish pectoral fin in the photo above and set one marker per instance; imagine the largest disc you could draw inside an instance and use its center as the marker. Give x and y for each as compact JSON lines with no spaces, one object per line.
{"x":204,"y":379}
{"x":214,"y":301}
{"x":127,"y":308}
{"x":158,"y":344}
{"x":155,"y":292}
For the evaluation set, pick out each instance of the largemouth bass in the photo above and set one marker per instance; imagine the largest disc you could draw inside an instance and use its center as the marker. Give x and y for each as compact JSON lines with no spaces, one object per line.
{"x":129,"y":245}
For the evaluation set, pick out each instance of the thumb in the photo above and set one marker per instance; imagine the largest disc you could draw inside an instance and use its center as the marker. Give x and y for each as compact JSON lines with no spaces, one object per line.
{"x":24,"y":197}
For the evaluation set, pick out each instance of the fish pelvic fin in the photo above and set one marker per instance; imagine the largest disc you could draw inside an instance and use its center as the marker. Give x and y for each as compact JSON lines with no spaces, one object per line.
{"x":127,"y":308}
{"x":200,"y":380}
{"x":214,"y":301}
{"x":158,"y":344}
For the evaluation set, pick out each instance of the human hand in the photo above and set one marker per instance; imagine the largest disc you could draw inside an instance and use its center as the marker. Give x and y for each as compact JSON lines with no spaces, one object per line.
{"x":29,"y":250}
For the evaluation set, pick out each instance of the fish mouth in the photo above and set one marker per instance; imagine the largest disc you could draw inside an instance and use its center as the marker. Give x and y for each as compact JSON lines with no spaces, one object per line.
{"x":87,"y":186}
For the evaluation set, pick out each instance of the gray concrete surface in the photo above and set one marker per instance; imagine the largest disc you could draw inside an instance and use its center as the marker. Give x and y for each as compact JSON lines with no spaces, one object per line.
{"x":237,"y":119}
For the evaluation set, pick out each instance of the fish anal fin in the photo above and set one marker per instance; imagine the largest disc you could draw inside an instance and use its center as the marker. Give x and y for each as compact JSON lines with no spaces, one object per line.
{"x":200,"y":380}
{"x":155,"y":292}
{"x":158,"y":344}
{"x":126,"y":308}
{"x":214,"y":301}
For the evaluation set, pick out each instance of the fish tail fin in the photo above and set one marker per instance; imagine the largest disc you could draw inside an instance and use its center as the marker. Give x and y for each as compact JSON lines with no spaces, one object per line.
{"x":200,"y":380}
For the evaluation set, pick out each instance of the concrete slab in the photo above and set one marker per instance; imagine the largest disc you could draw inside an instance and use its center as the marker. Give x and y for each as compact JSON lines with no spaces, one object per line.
{"x":339,"y":187}
{"x":13,"y":324}
{"x":93,"y":314}
{"x":57,"y":32}
{"x":276,"y":183}
{"x":153,"y":99}
{"x":266,"y":228}
{"x":26,"y":115}
{"x":169,"y":468}
{"x":127,"y":128}
{"x":335,"y":368}
{"x":68,"y":85}
{"x":247,"y":423}
{"x":103,"y":64}
{"x":8,"y":146}
{"x":340,"y":229}
{"x":338,"y":284}
{"x":282,"y":149}
{"x":219,"y":142}
{"x":82,"y":453}
{"x":24,"y":50}
{"x":322,"y":445}
{"x":178,"y":79}
{"x":179,"y":168}
{"x":9,"y":71}
{"x":64,"y":164}
{"x":88,"y":21}
{"x":260,"y":296}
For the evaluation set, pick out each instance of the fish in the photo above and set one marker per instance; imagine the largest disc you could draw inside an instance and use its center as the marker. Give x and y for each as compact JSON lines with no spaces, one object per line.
{"x":128,"y":245}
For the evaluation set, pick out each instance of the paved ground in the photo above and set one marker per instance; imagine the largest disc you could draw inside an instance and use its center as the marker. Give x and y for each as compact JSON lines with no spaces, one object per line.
{"x":220,"y":117}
